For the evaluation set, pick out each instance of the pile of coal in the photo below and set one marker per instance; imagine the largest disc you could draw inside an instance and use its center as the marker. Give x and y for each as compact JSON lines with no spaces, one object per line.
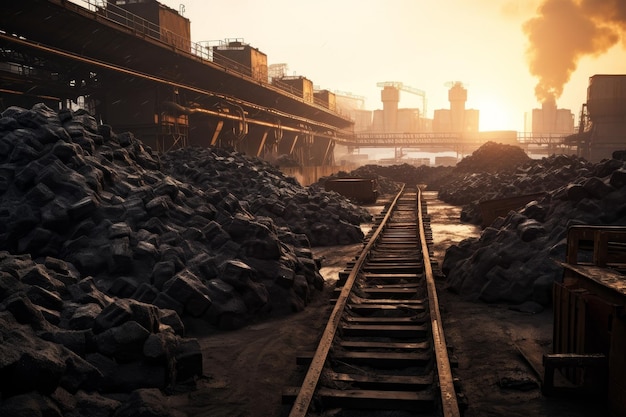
{"x":325,"y":218}
{"x":469,"y":188}
{"x":69,"y":349}
{"x":105,"y":256}
{"x":493,"y":157}
{"x":513,"y":261}
{"x":390,"y":177}
{"x":490,"y":161}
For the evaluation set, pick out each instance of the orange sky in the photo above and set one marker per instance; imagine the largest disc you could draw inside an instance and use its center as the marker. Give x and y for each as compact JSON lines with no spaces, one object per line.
{"x":350,"y":45}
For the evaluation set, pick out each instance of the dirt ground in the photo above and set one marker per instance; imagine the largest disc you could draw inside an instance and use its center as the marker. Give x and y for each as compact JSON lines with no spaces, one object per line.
{"x":246,"y":370}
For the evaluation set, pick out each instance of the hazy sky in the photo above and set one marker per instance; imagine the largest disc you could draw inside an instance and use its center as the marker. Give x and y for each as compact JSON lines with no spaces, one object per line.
{"x":350,"y":45}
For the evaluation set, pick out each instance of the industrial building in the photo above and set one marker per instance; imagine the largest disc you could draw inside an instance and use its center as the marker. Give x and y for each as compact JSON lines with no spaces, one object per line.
{"x":394,"y":119}
{"x":549,"y":119}
{"x":457,"y":118}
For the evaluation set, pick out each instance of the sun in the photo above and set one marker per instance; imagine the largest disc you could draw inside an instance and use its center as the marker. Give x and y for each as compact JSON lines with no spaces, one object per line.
{"x":494,"y":114}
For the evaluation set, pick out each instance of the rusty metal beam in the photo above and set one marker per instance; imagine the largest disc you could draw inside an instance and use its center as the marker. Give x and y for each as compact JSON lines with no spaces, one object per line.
{"x":216,"y":134}
{"x":262,"y":144}
{"x":293,"y":145}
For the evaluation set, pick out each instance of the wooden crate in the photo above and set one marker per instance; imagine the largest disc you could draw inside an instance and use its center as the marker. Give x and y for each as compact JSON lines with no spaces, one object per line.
{"x":589,"y":332}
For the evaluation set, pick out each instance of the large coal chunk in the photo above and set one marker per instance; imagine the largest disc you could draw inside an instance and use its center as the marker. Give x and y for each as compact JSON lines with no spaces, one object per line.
{"x":147,"y":402}
{"x":188,"y":289}
{"x":30,"y":363}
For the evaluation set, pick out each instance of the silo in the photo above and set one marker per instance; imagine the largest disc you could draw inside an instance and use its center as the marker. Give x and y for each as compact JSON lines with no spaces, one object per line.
{"x":606,"y":105}
{"x":457,"y":95}
{"x":390,"y":96}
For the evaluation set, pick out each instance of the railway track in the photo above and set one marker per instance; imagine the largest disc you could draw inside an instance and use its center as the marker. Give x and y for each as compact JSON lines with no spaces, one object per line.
{"x":383,"y":350}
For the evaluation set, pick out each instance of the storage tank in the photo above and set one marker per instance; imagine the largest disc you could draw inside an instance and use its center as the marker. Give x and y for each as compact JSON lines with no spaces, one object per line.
{"x":606,"y":96}
{"x":606,"y":105}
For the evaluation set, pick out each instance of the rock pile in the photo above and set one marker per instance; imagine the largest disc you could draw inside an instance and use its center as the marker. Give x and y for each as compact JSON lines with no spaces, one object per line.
{"x":493,"y":157}
{"x":390,"y":177}
{"x":323,"y":217}
{"x":468,"y":188}
{"x":69,"y":349}
{"x":513,"y":260}
{"x":106,"y":251}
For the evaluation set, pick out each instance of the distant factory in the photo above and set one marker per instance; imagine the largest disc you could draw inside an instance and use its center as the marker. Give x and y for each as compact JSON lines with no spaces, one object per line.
{"x":457,"y":118}
{"x":551,"y":120}
{"x":393,"y":119}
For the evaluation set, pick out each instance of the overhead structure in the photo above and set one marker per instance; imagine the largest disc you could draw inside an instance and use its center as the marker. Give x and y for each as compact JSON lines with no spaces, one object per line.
{"x":140,"y":72}
{"x":401,"y":87}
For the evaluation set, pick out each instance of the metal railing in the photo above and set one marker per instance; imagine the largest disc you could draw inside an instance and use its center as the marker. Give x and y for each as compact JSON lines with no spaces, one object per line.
{"x":529,"y":138}
{"x":407,"y":137}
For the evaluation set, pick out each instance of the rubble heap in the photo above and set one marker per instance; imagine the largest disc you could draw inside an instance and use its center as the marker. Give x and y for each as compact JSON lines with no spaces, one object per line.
{"x":106,"y":252}
{"x":390,"y":177}
{"x":493,"y":157}
{"x":468,"y":189}
{"x":513,"y":260}
{"x":266,"y":192}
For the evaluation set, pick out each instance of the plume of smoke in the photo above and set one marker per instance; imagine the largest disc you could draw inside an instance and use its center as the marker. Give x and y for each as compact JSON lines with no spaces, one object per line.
{"x":562,"y":32}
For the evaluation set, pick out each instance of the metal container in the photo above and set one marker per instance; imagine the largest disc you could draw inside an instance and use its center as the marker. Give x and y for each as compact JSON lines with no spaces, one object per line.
{"x":297,"y":85}
{"x":360,"y":190}
{"x":242,"y":58}
{"x":153,"y":19}
{"x":492,"y":209}
{"x":326,"y":99}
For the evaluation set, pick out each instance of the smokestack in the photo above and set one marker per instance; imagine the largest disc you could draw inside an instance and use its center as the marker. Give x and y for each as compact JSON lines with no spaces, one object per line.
{"x":562,"y":32}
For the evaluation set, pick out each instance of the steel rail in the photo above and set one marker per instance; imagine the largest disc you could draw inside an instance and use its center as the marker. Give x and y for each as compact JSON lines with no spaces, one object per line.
{"x":446,"y":398}
{"x":307,"y":390}
{"x":450,"y":407}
